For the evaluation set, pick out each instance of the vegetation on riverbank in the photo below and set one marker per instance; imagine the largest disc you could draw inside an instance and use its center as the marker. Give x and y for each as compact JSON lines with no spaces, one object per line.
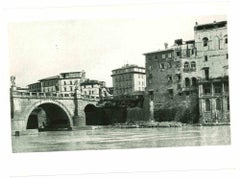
{"x":148,"y":124}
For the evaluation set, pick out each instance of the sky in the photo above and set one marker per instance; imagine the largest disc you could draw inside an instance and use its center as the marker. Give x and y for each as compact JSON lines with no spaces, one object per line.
{"x":96,"y":39}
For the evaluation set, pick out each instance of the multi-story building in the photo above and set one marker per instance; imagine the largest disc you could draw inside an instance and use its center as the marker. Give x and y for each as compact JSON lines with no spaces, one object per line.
{"x":69,"y":81}
{"x":128,"y":80}
{"x":64,"y":83}
{"x":189,"y":80}
{"x":170,"y":81}
{"x":212,"y":46}
{"x":34,"y":87}
{"x":91,"y":87}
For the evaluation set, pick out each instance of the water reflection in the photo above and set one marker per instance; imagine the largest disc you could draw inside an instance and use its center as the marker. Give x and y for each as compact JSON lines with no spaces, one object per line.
{"x":113,"y":138}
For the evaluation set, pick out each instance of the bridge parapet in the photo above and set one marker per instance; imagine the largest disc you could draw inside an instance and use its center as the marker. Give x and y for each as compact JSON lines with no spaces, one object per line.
{"x":42,"y":95}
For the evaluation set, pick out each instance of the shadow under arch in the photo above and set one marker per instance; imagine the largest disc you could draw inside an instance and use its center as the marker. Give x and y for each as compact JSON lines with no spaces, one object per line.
{"x":95,"y":115}
{"x":57,"y":116}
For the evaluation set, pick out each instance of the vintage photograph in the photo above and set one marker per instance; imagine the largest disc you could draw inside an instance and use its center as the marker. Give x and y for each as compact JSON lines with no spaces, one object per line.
{"x":125,"y":81}
{"x":92,"y":84}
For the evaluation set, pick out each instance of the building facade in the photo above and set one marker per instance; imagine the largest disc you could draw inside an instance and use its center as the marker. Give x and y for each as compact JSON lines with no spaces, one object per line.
{"x":170,"y":77}
{"x":91,"y":88}
{"x":189,"y":80}
{"x":212,"y":44}
{"x":64,"y":83}
{"x":128,"y":80}
{"x":34,"y":87}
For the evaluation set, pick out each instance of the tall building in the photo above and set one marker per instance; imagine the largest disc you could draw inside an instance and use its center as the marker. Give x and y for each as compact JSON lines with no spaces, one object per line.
{"x":128,"y":80}
{"x":212,"y":44}
{"x":171,"y":82}
{"x":189,"y":80}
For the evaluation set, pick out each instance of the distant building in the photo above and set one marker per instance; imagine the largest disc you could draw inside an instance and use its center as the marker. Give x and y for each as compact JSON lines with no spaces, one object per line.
{"x":64,"y":83}
{"x":35,"y":87}
{"x":212,"y":44}
{"x":69,"y":81}
{"x":91,"y":87}
{"x":128,"y":80}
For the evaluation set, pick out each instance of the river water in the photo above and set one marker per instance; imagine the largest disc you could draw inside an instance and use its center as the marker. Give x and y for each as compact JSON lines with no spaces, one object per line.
{"x":115,"y":138}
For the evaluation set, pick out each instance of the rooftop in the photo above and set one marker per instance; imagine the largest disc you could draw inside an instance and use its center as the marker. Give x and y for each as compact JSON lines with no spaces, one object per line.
{"x":209,"y":26}
{"x":50,"y":78}
{"x":128,"y":66}
{"x":90,"y":82}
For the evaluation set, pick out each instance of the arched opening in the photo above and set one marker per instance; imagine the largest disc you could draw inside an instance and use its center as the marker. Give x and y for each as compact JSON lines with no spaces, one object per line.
{"x":205,"y":41}
{"x":216,"y":43}
{"x":187,"y":82}
{"x":94,"y":115}
{"x":186,"y":65}
{"x":193,"y":65}
{"x":48,"y":116}
{"x":194,"y":82}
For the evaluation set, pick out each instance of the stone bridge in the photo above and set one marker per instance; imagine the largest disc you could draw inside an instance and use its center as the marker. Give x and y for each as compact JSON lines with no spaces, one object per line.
{"x":51,"y":111}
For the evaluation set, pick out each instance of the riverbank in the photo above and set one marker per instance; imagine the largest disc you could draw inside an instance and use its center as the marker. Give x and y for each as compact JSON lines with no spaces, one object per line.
{"x":148,"y":124}
{"x":155,"y":124}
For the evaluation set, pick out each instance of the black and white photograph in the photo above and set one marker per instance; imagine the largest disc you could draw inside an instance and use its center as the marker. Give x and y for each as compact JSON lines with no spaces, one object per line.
{"x":120,"y":77}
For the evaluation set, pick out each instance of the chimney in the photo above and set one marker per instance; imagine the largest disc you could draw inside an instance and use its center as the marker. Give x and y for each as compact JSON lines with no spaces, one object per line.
{"x":196,"y":23}
{"x":166,"y":45}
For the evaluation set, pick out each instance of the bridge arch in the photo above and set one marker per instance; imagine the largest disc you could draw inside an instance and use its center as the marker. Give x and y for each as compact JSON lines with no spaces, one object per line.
{"x":52,"y":108}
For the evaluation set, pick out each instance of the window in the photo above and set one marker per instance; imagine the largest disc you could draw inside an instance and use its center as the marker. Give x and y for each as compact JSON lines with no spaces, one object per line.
{"x":178,"y":54}
{"x":194,"y":82}
{"x":193,"y":65}
{"x":162,"y":66}
{"x":218,"y":104}
{"x":178,"y":76}
{"x":216,"y":42}
{"x":192,"y":50}
{"x":169,"y":78}
{"x":65,"y":89}
{"x":186,"y":65}
{"x":187,"y":82}
{"x":227,"y":56}
{"x":169,"y":55}
{"x":226,"y":87}
{"x":163,"y":55}
{"x":205,"y":41}
{"x":205,"y":58}
{"x":170,"y":93}
{"x":71,"y":88}
{"x":207,"y":105}
{"x":217,"y":88}
{"x":206,"y":89}
{"x":206,"y":73}
{"x":225,"y":39}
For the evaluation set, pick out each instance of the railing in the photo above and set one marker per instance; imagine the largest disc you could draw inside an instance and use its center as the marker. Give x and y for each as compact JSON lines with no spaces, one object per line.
{"x":53,"y":95}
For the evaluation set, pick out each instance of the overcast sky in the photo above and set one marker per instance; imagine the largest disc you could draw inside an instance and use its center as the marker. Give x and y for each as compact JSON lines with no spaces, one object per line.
{"x":96,"y":43}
